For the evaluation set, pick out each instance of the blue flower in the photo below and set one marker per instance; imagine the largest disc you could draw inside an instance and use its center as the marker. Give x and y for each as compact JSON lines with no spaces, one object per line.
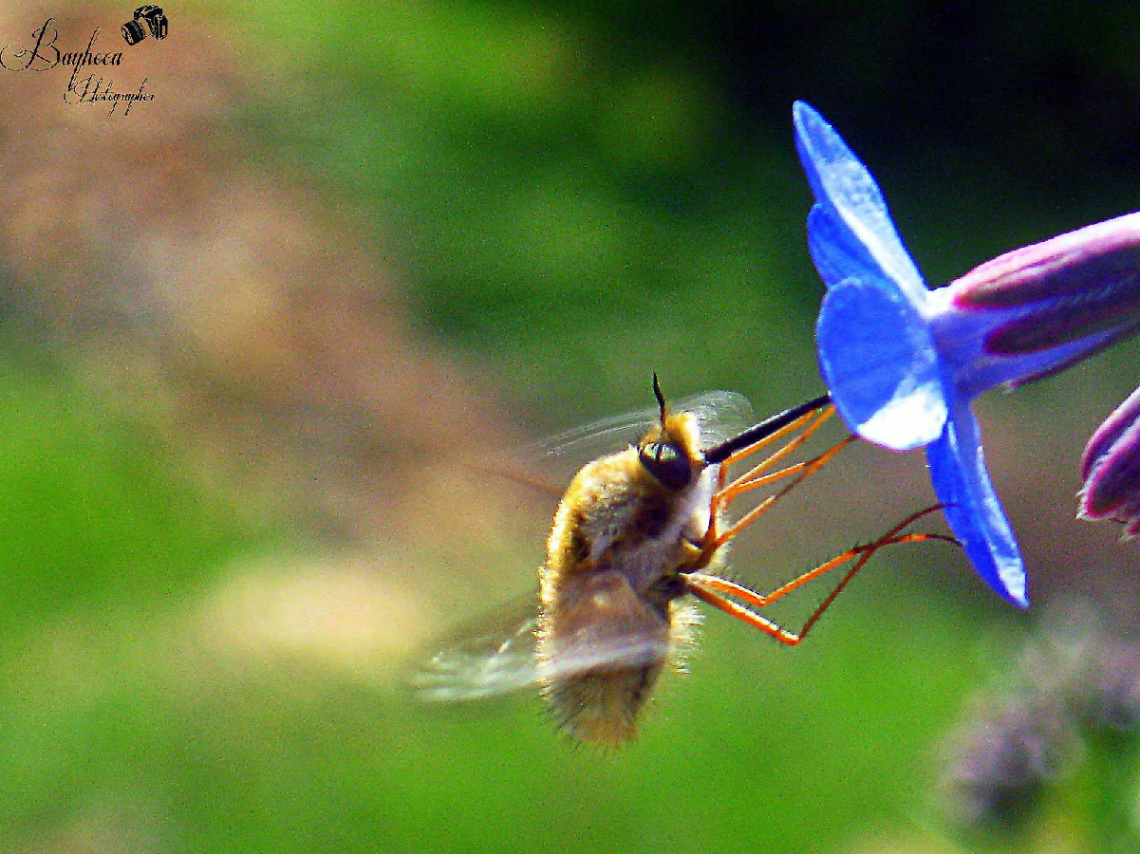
{"x":903,"y":362}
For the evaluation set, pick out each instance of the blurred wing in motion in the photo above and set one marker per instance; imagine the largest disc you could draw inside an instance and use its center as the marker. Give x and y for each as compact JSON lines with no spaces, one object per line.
{"x":720,"y":414}
{"x":498,"y":655}
{"x":493,"y":656}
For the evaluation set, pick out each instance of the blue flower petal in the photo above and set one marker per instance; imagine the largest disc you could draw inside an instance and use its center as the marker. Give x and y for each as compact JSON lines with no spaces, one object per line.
{"x":855,"y":217}
{"x":880,"y":364}
{"x":835,"y":251}
{"x":962,"y":484}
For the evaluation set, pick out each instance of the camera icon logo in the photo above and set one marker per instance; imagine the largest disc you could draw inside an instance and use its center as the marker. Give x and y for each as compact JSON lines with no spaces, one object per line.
{"x":148,"y":19}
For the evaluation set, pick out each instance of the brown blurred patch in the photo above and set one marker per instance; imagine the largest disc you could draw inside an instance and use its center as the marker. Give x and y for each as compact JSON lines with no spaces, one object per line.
{"x":230,"y":305}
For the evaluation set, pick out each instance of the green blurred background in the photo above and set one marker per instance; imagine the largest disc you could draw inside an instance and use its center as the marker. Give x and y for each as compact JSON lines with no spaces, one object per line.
{"x":253,"y":333}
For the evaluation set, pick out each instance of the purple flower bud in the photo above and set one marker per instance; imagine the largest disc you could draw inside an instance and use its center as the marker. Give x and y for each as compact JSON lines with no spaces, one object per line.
{"x":1110,"y":469}
{"x":1059,"y":291}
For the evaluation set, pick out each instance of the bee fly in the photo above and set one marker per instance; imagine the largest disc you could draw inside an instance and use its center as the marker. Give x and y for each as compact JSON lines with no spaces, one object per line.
{"x":635,"y":534}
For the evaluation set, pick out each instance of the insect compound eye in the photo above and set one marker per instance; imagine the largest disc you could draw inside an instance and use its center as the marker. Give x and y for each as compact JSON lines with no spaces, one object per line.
{"x":667,"y":464}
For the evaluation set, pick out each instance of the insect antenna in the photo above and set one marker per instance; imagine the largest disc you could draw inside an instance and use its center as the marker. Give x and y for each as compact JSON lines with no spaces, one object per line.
{"x":658,"y":394}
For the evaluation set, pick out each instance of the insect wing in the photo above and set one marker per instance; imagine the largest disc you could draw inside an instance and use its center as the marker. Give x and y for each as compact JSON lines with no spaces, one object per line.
{"x":499,"y":655}
{"x":604,"y":645}
{"x":494,"y":656}
{"x":720,"y":415}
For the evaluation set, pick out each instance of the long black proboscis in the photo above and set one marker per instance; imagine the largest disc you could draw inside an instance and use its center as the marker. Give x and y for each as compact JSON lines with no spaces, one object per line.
{"x":763,"y":430}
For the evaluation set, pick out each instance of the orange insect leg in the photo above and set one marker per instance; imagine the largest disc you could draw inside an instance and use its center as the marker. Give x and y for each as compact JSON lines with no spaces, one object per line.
{"x":717,"y":591}
{"x":816,"y":420}
{"x":799,"y":472}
